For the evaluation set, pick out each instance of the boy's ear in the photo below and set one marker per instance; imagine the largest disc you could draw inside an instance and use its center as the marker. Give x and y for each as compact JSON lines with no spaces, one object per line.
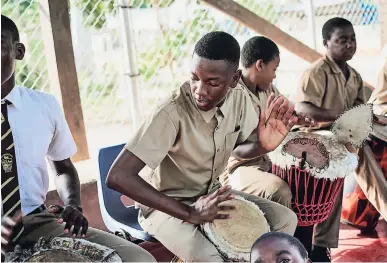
{"x":259,"y":64}
{"x":236,"y":78}
{"x":325,"y":42}
{"x":20,"y":51}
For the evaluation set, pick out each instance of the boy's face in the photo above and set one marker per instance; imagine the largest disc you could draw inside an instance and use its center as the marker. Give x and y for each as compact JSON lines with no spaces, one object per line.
{"x":342,"y":45}
{"x":10,"y":52}
{"x":275,"y":250}
{"x":266,"y":73}
{"x":211,"y":81}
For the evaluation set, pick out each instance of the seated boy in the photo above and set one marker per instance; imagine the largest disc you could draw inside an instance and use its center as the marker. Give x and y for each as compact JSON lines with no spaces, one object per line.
{"x":187,"y":141}
{"x":276,"y":247}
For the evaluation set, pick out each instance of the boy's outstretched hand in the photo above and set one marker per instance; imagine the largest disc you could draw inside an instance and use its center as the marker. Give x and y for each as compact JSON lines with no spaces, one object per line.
{"x":275,"y":124}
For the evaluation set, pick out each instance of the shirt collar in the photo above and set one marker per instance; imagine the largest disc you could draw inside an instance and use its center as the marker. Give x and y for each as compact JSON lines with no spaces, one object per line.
{"x":14,"y":97}
{"x":332,"y":64}
{"x":208,"y":115}
{"x":335,"y":68}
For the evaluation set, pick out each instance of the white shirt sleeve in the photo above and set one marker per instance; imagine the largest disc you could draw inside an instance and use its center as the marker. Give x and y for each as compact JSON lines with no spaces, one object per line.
{"x":62,"y":145}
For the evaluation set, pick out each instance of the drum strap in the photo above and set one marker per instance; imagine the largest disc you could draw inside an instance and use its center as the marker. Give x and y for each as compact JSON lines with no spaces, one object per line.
{"x":9,"y":180}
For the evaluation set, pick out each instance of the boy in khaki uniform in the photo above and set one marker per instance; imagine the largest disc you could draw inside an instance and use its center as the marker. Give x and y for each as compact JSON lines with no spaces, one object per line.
{"x":187,"y":141}
{"x":253,"y":176}
{"x":260,"y":60}
{"x":371,"y":174}
{"x":328,"y":88}
{"x":379,"y":95}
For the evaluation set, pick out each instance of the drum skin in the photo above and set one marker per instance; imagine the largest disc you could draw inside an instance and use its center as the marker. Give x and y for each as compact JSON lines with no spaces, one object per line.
{"x":234,"y":237}
{"x":61,"y":249}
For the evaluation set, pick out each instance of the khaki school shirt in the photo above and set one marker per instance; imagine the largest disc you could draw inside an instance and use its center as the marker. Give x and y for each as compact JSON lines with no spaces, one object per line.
{"x":259,"y":101}
{"x":324,"y":85}
{"x":186,"y":148}
{"x":379,"y":95}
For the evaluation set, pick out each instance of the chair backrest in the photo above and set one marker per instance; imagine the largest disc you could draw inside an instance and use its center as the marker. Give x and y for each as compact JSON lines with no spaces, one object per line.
{"x":111,"y":198}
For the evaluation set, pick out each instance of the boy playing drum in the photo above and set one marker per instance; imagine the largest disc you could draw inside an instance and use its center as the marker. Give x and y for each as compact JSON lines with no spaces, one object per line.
{"x":328,"y":88}
{"x":187,"y":141}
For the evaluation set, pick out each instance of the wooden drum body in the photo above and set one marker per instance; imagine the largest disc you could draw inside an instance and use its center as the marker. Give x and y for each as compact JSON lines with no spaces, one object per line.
{"x":314,"y":165}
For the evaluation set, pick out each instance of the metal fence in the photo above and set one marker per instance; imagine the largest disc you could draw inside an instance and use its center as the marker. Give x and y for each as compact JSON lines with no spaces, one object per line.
{"x":163,"y":35}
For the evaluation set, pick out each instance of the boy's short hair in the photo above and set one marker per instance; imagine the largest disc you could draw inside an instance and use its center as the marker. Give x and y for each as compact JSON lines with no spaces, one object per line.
{"x":218,"y":45}
{"x":333,"y":23}
{"x":8,"y":24}
{"x":258,"y":48}
{"x":292,"y":241}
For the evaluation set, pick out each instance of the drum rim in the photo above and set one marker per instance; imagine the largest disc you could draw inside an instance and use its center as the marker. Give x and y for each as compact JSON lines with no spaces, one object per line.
{"x":337,"y":168}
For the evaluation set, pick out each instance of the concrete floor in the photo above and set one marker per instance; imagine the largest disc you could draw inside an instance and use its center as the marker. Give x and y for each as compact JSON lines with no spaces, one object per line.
{"x":351,"y":248}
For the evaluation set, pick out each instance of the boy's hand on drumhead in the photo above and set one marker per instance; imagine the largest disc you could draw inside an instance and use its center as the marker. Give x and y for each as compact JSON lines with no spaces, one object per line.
{"x":207,"y":208}
{"x":275,"y":124}
{"x":72,"y":217}
{"x":7,"y":226}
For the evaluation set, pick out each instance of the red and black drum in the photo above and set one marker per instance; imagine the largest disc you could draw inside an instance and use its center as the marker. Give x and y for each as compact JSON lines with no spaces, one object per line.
{"x":314,"y":165}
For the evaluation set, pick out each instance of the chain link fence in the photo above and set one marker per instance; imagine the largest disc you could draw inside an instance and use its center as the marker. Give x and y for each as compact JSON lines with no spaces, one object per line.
{"x":164,"y":34}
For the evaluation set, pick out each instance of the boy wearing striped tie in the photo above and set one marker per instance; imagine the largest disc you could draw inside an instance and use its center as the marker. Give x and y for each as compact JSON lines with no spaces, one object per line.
{"x":33,"y":127}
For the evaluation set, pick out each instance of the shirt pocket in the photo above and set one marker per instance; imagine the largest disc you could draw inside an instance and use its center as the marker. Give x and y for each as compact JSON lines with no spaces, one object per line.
{"x":230,"y":141}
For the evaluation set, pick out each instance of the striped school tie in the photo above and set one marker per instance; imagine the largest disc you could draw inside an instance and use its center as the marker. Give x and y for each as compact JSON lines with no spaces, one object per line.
{"x":9,"y":181}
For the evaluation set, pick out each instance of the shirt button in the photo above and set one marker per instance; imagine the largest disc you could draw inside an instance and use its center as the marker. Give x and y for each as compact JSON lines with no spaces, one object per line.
{"x":217,"y":150}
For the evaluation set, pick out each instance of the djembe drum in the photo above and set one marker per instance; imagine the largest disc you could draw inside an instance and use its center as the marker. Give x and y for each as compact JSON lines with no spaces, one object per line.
{"x":61,"y":249}
{"x":314,"y":165}
{"x":234,"y":237}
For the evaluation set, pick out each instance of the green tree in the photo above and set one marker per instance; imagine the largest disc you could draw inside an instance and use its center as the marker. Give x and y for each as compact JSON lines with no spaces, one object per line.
{"x":173,"y":44}
{"x":31,"y":72}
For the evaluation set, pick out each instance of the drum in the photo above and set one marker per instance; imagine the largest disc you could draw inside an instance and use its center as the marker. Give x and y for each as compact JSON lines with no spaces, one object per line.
{"x":314,"y":165}
{"x":234,"y":237}
{"x":60,"y":249}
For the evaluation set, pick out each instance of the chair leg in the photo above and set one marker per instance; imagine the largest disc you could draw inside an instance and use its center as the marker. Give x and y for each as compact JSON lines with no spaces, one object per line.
{"x":125,"y":235}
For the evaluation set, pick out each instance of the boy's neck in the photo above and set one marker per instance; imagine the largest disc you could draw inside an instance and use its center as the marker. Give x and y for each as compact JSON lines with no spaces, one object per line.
{"x":7,"y":86}
{"x":342,"y":64}
{"x":248,"y":83}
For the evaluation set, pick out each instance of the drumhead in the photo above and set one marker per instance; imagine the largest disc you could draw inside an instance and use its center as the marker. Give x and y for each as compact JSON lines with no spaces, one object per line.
{"x":326,"y":157}
{"x":354,"y":125}
{"x":61,"y":249}
{"x":234,"y":237}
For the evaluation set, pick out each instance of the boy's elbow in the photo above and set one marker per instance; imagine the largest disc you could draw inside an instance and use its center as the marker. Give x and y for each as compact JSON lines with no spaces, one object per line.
{"x":112,"y":179}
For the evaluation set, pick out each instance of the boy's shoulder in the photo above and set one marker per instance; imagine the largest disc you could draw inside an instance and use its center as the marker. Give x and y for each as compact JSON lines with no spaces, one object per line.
{"x":321,"y":65}
{"x":40,"y":100}
{"x":175,"y":103}
{"x":36,"y":96}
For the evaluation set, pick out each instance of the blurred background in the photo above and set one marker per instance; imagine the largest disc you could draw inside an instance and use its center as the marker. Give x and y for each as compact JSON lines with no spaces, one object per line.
{"x":129,"y":54}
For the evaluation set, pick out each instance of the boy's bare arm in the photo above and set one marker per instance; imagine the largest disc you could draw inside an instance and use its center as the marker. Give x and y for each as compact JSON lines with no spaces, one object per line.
{"x":317,"y":113}
{"x":123,"y":177}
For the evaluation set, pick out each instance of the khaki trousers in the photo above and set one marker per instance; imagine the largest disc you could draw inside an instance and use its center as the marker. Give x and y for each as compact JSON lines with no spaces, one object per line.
{"x":252,"y":180}
{"x":45,"y":224}
{"x":187,"y":242}
{"x":372,"y":181}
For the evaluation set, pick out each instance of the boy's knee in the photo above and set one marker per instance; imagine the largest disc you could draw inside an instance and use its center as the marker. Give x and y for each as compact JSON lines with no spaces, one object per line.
{"x":280,"y":192}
